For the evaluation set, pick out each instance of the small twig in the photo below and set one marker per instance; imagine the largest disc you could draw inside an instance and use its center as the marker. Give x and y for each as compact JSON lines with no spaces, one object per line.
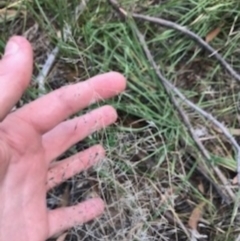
{"x":45,"y":70}
{"x":168,"y":85}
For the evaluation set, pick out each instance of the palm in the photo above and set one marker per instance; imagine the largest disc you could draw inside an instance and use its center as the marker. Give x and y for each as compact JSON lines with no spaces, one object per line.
{"x":26,"y":171}
{"x":33,"y":137}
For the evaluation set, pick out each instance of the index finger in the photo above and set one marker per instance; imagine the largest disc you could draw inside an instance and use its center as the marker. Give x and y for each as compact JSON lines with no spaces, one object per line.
{"x":48,"y":111}
{"x":15,"y":73}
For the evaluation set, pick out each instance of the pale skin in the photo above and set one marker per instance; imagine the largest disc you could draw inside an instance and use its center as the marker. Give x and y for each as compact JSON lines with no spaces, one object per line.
{"x":32,"y":137}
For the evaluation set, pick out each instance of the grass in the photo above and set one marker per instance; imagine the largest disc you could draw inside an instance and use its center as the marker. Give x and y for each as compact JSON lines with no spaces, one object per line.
{"x":149,"y":180}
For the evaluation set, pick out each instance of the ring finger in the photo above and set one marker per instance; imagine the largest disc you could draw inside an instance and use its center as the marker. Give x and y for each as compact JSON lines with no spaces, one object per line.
{"x":62,"y":170}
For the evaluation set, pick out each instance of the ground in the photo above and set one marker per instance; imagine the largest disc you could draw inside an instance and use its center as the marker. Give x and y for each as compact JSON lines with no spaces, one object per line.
{"x":152,"y":178}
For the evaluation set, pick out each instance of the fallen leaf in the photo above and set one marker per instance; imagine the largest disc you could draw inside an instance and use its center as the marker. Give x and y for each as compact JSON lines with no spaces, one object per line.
{"x":212,"y":34}
{"x":195,"y":235}
{"x":10,"y":11}
{"x":62,"y":237}
{"x":8,"y":15}
{"x":235,"y":180}
{"x":234,"y":132}
{"x":65,"y":197}
{"x":195,"y":216}
{"x":201,"y":187}
{"x":91,"y":194}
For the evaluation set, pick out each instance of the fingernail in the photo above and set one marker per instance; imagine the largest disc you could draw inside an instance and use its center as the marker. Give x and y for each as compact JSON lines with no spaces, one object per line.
{"x":11,"y":48}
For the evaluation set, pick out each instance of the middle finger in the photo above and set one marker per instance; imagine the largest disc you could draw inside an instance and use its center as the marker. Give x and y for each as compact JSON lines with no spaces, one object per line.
{"x":66,"y":134}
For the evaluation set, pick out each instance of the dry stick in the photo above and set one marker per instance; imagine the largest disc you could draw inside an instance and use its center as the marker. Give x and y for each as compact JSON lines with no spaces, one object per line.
{"x":185,"y":118}
{"x":45,"y":70}
{"x":175,"y":90}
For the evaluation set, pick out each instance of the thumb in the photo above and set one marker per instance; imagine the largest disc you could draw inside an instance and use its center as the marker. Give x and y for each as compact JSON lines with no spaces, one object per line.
{"x":15,"y":73}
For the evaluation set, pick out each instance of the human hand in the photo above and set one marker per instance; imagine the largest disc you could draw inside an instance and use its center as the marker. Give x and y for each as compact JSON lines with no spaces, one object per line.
{"x":32,"y":137}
